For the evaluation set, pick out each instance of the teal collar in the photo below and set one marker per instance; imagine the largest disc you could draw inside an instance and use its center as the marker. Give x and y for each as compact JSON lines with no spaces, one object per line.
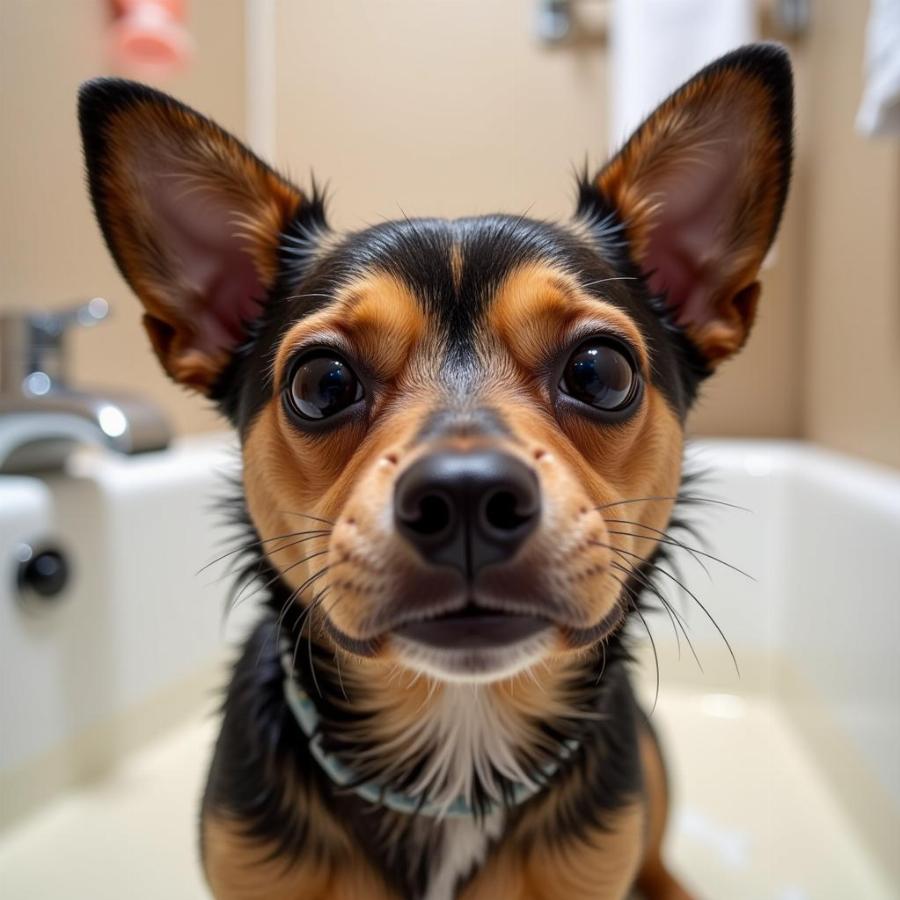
{"x":307,"y":716}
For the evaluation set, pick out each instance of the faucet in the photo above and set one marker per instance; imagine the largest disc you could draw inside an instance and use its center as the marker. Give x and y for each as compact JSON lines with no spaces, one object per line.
{"x":41,"y":416}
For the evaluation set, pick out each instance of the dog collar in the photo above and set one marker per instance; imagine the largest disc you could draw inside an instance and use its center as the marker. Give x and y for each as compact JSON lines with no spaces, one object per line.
{"x":307,"y":716}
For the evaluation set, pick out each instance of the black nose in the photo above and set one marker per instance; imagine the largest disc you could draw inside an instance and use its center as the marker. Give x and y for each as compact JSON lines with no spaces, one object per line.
{"x":467,"y":510}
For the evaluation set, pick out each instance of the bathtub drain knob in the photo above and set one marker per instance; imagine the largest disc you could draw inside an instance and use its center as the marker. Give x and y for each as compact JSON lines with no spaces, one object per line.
{"x":43,"y":573}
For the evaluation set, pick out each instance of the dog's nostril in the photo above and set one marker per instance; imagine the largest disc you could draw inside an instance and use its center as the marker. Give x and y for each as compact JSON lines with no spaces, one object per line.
{"x":504,"y":512}
{"x":432,"y":516}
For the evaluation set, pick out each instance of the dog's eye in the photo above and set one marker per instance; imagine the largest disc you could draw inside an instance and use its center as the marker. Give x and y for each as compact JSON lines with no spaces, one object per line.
{"x":600,"y":375}
{"x":323,"y":384}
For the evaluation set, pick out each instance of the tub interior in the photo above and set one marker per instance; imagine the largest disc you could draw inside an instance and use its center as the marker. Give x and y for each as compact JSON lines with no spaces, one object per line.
{"x":785,"y":777}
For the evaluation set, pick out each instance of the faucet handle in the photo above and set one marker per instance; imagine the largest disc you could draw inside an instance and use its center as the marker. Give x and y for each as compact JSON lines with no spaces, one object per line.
{"x":53,"y":325}
{"x":32,"y":347}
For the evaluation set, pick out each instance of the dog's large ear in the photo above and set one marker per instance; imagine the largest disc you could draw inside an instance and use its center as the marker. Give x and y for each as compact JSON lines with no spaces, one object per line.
{"x":192,"y":218}
{"x":699,"y":189}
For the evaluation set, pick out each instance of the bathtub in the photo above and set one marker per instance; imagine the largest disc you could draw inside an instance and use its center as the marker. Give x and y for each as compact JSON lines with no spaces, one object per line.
{"x":786,"y":777}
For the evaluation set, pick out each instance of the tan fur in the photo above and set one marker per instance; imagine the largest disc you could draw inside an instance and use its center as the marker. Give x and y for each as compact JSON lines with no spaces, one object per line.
{"x":239,"y":868}
{"x":600,"y":865}
{"x":539,"y":309}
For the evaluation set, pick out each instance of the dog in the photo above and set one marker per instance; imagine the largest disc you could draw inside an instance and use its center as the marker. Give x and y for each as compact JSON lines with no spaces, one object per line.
{"x":462,"y":454}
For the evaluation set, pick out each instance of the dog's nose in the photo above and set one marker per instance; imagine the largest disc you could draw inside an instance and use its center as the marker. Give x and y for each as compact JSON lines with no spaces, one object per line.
{"x":467,"y":510}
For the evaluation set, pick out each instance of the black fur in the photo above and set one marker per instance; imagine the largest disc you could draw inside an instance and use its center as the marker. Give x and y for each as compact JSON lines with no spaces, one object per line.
{"x":419,"y":252}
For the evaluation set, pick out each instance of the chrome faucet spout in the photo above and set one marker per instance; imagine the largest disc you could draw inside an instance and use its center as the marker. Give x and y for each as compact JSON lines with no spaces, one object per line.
{"x":42,"y":416}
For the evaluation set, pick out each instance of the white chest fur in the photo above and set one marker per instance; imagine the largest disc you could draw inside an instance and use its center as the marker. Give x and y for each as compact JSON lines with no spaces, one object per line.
{"x":465,"y":846}
{"x":468,"y":736}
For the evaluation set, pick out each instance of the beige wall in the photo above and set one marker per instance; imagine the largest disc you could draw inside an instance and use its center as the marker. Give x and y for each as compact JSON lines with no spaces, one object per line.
{"x":852,"y":254}
{"x":50,"y":248}
{"x":454,"y":108}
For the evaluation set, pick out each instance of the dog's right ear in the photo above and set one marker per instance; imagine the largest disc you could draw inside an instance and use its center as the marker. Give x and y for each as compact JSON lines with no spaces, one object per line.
{"x":192,"y":218}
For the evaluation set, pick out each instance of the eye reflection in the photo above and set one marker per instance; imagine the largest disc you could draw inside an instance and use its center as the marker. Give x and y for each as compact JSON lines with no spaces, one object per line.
{"x":600,"y":375}
{"x":322,"y":385}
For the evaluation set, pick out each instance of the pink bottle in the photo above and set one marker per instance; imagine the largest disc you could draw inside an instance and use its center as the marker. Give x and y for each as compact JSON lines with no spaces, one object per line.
{"x":149,"y":37}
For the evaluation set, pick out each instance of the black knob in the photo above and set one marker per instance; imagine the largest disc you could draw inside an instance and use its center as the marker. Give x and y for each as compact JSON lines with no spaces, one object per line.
{"x":43,"y":573}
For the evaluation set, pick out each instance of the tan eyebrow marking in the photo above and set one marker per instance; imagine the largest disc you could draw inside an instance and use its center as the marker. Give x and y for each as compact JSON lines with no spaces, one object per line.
{"x":377,"y":317}
{"x":538,"y":308}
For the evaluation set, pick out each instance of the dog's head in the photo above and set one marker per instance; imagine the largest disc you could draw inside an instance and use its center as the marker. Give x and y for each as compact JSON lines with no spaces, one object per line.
{"x":460,"y":438}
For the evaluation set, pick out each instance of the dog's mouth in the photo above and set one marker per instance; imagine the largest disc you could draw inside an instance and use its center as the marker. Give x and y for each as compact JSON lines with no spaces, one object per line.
{"x":473,"y":627}
{"x":474,"y":642}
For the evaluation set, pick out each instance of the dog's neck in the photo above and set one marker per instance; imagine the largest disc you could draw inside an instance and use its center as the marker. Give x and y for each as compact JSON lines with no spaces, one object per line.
{"x":446,"y":746}
{"x":403,"y":732}
{"x":451,"y":746}
{"x":433,"y":740}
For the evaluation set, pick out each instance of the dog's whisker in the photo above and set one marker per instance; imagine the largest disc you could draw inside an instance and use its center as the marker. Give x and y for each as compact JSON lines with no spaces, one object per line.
{"x":687,"y":590}
{"x":649,"y":585}
{"x":667,"y":538}
{"x":337,"y":662}
{"x":248,"y":547}
{"x":299,"y":637}
{"x":637,"y":609}
{"x":665,"y":605}
{"x":318,"y":601}
{"x":603,"y":663}
{"x":674,"y":615}
{"x":655,"y":590}
{"x":303,"y":540}
{"x":312,"y":663}
{"x":681,"y":498}
{"x":295,"y":595}
{"x":309,"y":296}
{"x":297,"y":592}
{"x":590,"y":284}
{"x":669,"y":542}
{"x":240,"y":598}
{"x":329,"y":522}
{"x":248,"y":577}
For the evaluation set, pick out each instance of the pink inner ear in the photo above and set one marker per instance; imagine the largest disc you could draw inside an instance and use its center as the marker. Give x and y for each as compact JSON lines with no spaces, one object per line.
{"x":691,"y":229}
{"x":210,"y":263}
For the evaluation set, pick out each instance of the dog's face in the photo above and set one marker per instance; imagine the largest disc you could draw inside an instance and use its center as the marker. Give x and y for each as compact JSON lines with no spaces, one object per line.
{"x":460,"y":439}
{"x":464,"y":406}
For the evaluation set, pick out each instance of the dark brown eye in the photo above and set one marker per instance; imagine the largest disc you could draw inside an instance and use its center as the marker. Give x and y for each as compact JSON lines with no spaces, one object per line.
{"x":600,"y":375}
{"x":322,"y":384}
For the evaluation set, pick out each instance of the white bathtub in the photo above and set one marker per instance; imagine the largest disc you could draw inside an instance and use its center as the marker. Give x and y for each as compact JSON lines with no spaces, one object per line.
{"x":139,"y":635}
{"x":787,"y":779}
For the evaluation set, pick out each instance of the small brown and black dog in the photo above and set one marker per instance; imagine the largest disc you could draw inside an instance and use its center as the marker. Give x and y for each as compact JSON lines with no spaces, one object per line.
{"x":462,"y":446}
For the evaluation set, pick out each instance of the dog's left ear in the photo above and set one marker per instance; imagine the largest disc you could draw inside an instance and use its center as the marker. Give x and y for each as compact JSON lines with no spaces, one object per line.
{"x":700,"y":188}
{"x":193,"y":219}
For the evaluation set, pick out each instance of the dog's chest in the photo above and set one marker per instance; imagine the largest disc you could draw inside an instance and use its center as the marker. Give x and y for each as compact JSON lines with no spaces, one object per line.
{"x":464,"y":847}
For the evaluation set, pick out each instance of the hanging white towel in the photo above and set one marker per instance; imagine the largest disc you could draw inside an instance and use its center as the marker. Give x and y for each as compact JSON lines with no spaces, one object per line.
{"x":879,"y":112}
{"x":655,"y":45}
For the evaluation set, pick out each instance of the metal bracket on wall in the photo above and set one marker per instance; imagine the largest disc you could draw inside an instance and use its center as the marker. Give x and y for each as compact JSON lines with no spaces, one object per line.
{"x":563,"y":21}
